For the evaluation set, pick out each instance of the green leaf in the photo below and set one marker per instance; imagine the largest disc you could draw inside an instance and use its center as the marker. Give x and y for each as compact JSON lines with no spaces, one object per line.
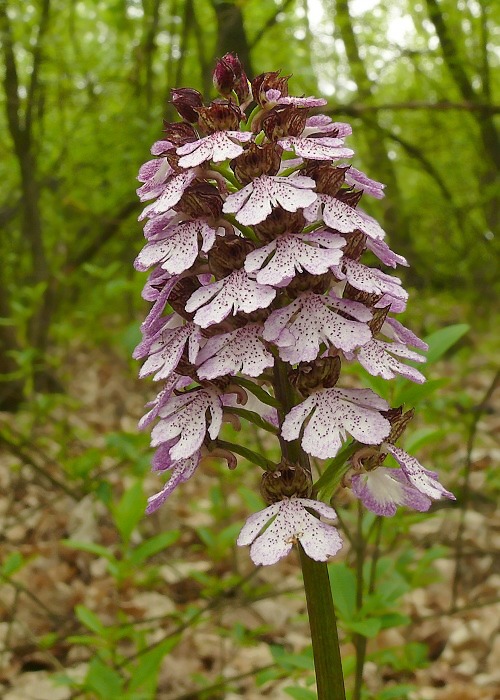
{"x":300,"y":693}
{"x":250,"y":455}
{"x":343,"y":584}
{"x":91,"y":547}
{"x":103,"y":680}
{"x":129,"y":511}
{"x":329,"y":481}
{"x":89,"y":619}
{"x":146,"y":671}
{"x":443,"y":339}
{"x":411,"y":394}
{"x":423,"y":436}
{"x":13,"y":563}
{"x":367,"y":628}
{"x":153,"y":546}
{"x":257,"y":391}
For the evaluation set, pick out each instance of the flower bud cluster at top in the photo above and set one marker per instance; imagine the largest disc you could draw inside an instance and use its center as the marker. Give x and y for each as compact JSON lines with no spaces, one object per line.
{"x":254,"y":242}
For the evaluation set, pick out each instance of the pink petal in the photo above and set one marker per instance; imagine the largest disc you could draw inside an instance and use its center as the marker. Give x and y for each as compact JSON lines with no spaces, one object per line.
{"x":185,"y":416}
{"x":177,"y":247}
{"x":422,"y":479}
{"x":317,"y":148}
{"x":217,"y":147}
{"x":234,"y":293}
{"x":254,"y":202}
{"x":383,"y":489}
{"x":182,"y":471}
{"x":291,"y":254}
{"x":336,"y":413}
{"x":299,"y":328}
{"x":376,"y":357}
{"x":238,"y":351}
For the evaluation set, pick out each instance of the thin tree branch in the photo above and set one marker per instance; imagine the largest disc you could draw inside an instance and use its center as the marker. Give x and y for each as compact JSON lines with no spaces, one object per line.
{"x":358,"y":109}
{"x":37,"y":59}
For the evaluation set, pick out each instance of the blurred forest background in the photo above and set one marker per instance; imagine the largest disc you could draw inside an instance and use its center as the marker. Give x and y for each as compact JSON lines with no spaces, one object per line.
{"x":84,"y":88}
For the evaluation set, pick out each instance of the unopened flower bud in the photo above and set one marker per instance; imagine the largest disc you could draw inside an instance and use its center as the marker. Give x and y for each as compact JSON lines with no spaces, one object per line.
{"x":329,"y":180}
{"x":219,"y":116}
{"x":269,"y":81}
{"x":278,"y":222}
{"x":227,"y":74}
{"x":309,"y":376}
{"x":179,"y":133}
{"x":186,"y":101}
{"x":290,"y":480}
{"x":228,"y":254}
{"x":201,"y":199}
{"x":367,"y":458}
{"x":283,"y":120}
{"x":378,"y":318}
{"x":398,"y":421}
{"x":257,"y":160}
{"x":355,"y":245}
{"x":350,"y":197}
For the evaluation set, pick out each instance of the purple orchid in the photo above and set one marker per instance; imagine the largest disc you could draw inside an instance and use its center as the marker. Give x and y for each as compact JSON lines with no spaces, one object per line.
{"x":260,"y":296}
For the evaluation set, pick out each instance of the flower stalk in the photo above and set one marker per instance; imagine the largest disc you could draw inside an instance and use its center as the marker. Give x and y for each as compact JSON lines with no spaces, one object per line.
{"x":323,"y":624}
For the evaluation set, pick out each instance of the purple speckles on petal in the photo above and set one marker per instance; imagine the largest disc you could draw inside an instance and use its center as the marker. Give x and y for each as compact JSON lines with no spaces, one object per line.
{"x":334,"y":413}
{"x":292,"y":523}
{"x":279,"y":261}
{"x":217,"y":147}
{"x":184,"y":416}
{"x":230,"y":353}
{"x":237,"y":292}
{"x":255,"y":201}
{"x":422,"y":479}
{"x":299,"y":328}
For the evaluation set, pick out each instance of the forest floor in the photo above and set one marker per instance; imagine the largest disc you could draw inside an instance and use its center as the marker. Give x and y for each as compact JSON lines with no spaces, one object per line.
{"x":41,"y":505}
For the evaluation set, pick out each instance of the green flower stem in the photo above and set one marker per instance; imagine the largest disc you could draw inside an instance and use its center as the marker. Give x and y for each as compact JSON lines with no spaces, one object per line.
{"x":322,"y":621}
{"x":325,"y":641}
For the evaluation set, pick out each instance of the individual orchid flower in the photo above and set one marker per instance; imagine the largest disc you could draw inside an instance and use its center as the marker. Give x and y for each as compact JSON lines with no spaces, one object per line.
{"x":333,"y":414}
{"x":236,"y":292}
{"x":291,"y":523}
{"x":255,"y":201}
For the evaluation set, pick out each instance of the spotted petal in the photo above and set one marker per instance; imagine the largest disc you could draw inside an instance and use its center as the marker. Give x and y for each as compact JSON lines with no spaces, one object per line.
{"x":279,"y":261}
{"x":369,"y":279}
{"x":333,"y":413}
{"x":185,"y":417}
{"x":377,"y":358}
{"x":171,"y":193}
{"x":234,"y":293}
{"x":177,"y":247}
{"x":255,"y":201}
{"x":323,"y":148}
{"x":238,"y":351}
{"x":422,"y":479}
{"x":166,"y":351}
{"x":292,"y":524}
{"x":343,"y":218}
{"x":217,"y":147}
{"x":181,"y":472}
{"x":299,"y":328}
